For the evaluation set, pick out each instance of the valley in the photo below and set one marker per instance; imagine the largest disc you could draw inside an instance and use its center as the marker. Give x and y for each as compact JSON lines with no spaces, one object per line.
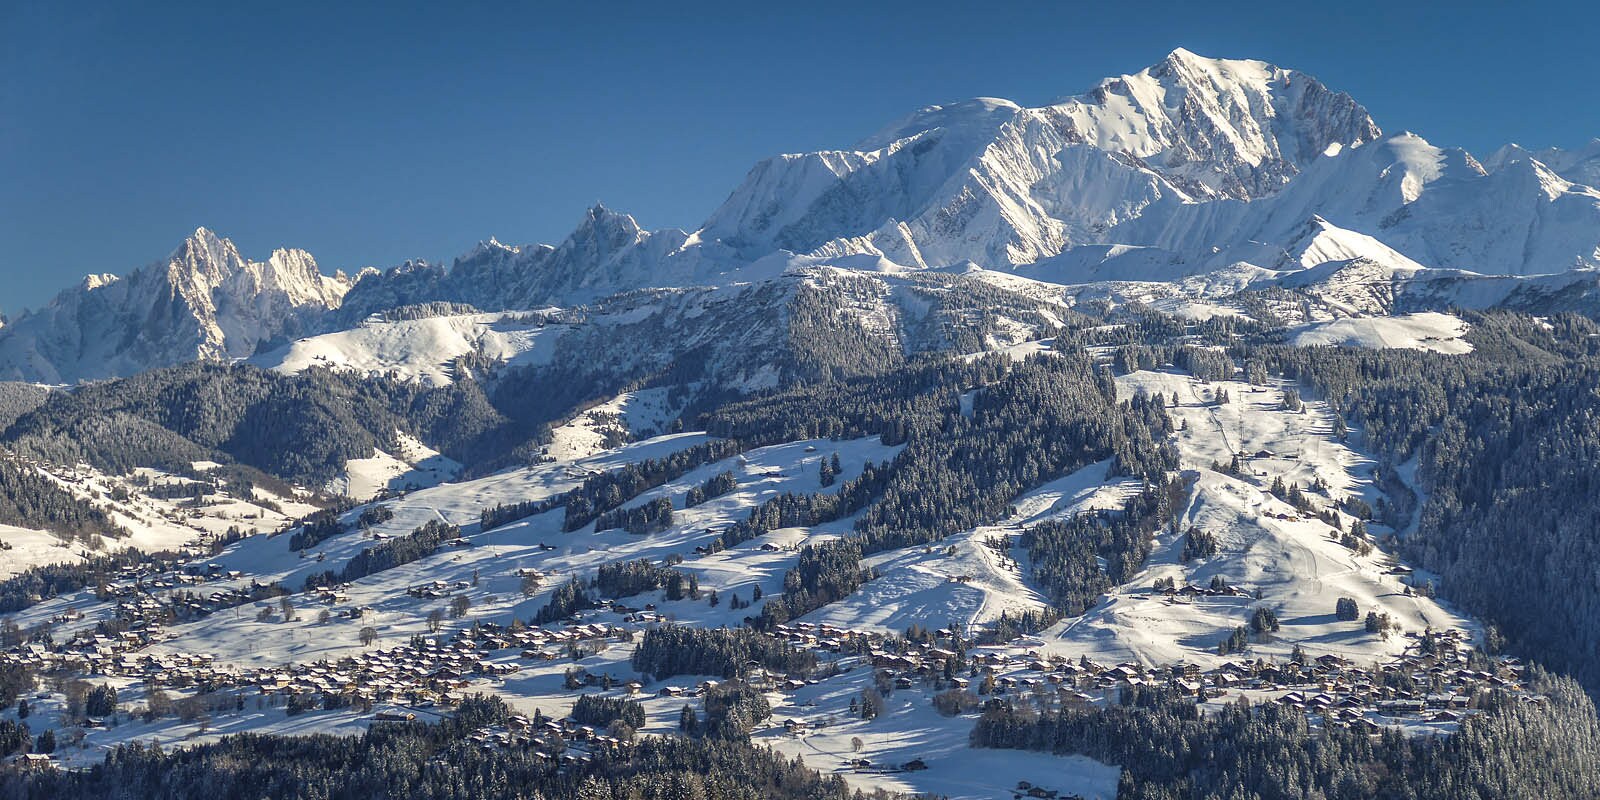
{"x":249,"y":664}
{"x":1188,"y":436}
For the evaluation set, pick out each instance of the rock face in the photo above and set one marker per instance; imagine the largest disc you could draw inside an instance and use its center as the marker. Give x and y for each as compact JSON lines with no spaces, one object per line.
{"x":205,"y":302}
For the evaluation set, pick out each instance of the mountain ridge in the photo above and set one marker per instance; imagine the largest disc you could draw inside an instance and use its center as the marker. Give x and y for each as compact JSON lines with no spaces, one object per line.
{"x":1190,"y":165}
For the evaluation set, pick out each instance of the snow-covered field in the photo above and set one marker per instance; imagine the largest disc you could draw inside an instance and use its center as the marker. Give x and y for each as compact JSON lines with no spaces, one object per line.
{"x":413,"y":466}
{"x":1441,"y":333}
{"x":25,"y":547}
{"x":153,"y":523}
{"x":420,"y":349}
{"x":490,"y":566}
{"x":630,"y":415}
{"x":910,"y":729}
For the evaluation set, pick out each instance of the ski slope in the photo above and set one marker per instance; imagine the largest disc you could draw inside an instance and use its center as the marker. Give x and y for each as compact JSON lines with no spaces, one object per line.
{"x":1297,"y":565}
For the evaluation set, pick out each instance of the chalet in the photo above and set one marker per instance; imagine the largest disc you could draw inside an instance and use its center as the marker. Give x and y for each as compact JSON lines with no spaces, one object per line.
{"x":1401,"y":706}
{"x":29,"y":762}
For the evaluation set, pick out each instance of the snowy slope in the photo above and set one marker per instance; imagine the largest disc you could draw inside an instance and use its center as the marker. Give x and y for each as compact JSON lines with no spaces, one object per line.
{"x":1296,"y":564}
{"x":422,"y":349}
{"x":1436,"y":205}
{"x":414,"y":465}
{"x":1440,"y":333}
{"x":153,"y":523}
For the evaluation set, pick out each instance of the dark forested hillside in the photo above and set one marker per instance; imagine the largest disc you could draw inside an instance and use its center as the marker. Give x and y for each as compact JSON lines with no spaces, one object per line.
{"x":1027,"y":423}
{"x":1169,"y":751}
{"x":31,"y":500}
{"x":300,"y":427}
{"x":17,"y":399}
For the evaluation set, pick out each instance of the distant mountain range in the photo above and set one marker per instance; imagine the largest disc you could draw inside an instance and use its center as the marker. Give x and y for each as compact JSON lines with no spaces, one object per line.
{"x":1254,"y":175}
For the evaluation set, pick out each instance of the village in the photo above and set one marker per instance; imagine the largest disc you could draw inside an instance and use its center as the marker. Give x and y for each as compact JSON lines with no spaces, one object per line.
{"x":133,"y":631}
{"x":1437,"y":681}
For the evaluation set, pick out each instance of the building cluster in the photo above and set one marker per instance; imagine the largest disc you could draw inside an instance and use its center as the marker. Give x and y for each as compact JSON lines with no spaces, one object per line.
{"x":426,"y":671}
{"x":1437,"y":679}
{"x":560,"y":740}
{"x":144,"y":608}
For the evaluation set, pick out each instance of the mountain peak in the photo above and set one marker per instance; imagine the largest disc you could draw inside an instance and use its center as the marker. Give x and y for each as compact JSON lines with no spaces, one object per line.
{"x":603,"y":223}
{"x":97,"y":280}
{"x":976,"y":115}
{"x":1181,"y":56}
{"x":204,"y":238}
{"x":998,"y":184}
{"x":599,"y":212}
{"x":204,"y":257}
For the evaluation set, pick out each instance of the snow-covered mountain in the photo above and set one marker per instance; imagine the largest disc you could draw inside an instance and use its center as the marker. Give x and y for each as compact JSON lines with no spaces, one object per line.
{"x":995,"y":183}
{"x":1438,"y":206}
{"x":205,"y":301}
{"x":607,"y":253}
{"x":1578,"y":166}
{"x":1236,"y":169}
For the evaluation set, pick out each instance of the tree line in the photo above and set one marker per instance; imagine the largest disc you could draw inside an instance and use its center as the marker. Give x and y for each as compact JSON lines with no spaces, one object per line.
{"x":1168,"y":750}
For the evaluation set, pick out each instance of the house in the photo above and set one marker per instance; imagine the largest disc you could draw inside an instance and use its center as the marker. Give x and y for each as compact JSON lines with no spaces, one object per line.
{"x":29,"y":762}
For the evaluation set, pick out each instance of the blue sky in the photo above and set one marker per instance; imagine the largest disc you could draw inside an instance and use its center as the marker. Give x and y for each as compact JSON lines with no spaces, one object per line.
{"x":371,"y":133}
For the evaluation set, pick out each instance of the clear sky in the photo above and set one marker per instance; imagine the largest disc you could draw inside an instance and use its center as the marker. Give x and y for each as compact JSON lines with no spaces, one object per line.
{"x":369,"y":134}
